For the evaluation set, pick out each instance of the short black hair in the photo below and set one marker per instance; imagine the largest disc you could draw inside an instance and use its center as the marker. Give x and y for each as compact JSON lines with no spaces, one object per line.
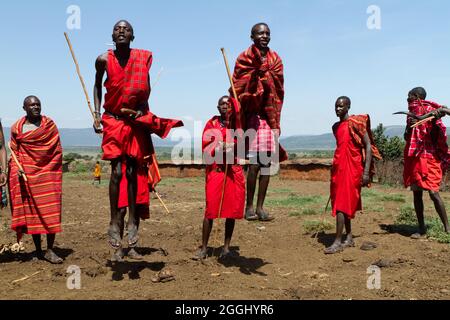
{"x":257,"y":25}
{"x":129,"y":25}
{"x":223,"y":97}
{"x":420,"y":92}
{"x":345,"y":98}
{"x":27,"y":99}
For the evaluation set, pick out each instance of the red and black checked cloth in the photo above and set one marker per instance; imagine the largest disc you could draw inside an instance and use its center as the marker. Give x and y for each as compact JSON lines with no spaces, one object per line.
{"x":428,"y":140}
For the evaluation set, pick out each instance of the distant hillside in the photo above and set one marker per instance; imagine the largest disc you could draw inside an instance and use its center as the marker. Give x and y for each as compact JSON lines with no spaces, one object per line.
{"x":87,"y":138}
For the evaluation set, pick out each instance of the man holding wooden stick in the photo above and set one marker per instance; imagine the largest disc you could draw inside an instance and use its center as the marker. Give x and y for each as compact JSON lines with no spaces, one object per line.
{"x":426,"y":157}
{"x":218,"y":141}
{"x":259,"y":82}
{"x":127,"y":125}
{"x":35,"y":178}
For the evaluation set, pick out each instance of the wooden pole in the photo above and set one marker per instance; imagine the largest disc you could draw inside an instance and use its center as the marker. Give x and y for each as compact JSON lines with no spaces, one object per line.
{"x":79,"y":75}
{"x":235,"y":97}
{"x":21,"y":171}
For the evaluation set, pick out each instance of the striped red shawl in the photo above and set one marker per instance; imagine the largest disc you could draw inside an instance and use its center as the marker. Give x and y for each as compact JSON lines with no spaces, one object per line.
{"x":260,"y":85}
{"x":36,"y":204}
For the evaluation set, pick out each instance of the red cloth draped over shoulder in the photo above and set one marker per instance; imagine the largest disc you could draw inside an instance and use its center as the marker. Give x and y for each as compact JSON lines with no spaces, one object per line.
{"x":259,"y":87}
{"x":359,"y":126}
{"x":348,"y":164}
{"x":426,"y":154}
{"x":234,"y":196}
{"x":36,"y":204}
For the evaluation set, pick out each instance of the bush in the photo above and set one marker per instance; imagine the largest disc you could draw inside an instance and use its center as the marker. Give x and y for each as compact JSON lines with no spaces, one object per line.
{"x":390,"y":148}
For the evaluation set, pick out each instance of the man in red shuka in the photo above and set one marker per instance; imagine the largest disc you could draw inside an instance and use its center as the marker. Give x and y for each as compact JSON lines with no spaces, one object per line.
{"x":36,"y":203}
{"x":127,"y":125}
{"x":426,"y":157}
{"x":216,"y":142}
{"x":352,"y":169}
{"x":259,"y":82}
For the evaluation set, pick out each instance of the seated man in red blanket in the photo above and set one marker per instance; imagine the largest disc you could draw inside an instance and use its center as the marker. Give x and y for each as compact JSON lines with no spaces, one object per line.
{"x":217,"y":141}
{"x":259,"y":82}
{"x":36,"y":192}
{"x":352,"y":169}
{"x":426,"y":157}
{"x":127,"y":126}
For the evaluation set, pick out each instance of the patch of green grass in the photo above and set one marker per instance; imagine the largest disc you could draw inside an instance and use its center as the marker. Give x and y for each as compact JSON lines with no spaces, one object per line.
{"x":295,"y":201}
{"x":377,"y":209}
{"x":373,"y":195}
{"x":407,"y":216}
{"x":304,"y":212}
{"x":435,"y":229}
{"x":394,"y":198}
{"x":316,"y":226}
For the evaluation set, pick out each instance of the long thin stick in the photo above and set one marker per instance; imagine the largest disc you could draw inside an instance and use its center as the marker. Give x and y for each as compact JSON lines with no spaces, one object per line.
{"x":79,"y":75}
{"x":21,"y":171}
{"x":422,"y":122}
{"x":26,"y":277}
{"x":158,"y":76}
{"x":235,"y":97}
{"x":162,"y":202}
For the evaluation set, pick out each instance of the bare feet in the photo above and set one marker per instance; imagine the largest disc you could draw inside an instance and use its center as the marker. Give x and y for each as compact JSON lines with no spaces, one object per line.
{"x":51,"y":257}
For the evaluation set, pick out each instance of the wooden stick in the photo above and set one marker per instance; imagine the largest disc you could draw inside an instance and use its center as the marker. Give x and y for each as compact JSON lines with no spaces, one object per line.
{"x":21,"y":171}
{"x":79,"y":75}
{"x":422,"y":122}
{"x":230,"y":78}
{"x":328,"y":203}
{"x":162,"y":202}
{"x":25,"y":278}
{"x":158,"y":76}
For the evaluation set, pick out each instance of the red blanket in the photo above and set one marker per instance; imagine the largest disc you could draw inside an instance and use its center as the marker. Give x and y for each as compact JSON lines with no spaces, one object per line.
{"x":348,"y":165}
{"x":36,"y":204}
{"x":428,"y":140}
{"x":260,"y":87}
{"x":234,"y":199}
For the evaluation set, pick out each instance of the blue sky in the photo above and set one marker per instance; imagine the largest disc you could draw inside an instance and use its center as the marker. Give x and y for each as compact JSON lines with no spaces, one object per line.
{"x":326,"y":46}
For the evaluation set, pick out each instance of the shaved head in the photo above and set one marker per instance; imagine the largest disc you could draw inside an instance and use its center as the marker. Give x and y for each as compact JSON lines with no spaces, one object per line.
{"x":30,"y":99}
{"x":125,"y":22}
{"x":345,"y":99}
{"x":255,"y":27}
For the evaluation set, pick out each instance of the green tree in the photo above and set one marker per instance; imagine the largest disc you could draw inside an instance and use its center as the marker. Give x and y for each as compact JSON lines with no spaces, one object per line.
{"x":390,"y":148}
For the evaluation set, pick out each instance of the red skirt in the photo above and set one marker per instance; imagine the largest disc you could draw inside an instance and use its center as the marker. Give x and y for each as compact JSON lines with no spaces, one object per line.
{"x":234,"y":199}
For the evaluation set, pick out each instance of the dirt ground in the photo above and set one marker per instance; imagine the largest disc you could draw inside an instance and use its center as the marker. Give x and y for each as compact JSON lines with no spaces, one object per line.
{"x":275,"y":260}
